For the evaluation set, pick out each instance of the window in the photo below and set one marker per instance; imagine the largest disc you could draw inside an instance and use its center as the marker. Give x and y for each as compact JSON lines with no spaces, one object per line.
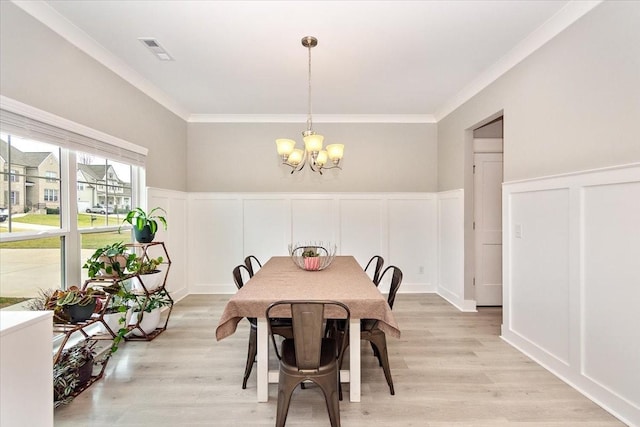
{"x":36,"y":234}
{"x":50,"y":195}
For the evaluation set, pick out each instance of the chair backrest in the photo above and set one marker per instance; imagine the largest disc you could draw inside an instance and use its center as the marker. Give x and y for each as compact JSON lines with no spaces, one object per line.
{"x":248,"y":262}
{"x":376,"y":261}
{"x":396,"y":280}
{"x":308,"y":318}
{"x":237,"y":275}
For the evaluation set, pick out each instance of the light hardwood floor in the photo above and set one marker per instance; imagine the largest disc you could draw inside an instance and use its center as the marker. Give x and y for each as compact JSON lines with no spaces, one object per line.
{"x":449,"y":369}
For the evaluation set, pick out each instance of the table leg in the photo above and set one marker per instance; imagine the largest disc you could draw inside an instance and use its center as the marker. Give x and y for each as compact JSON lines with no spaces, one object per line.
{"x":354,"y":360}
{"x":262,"y":360}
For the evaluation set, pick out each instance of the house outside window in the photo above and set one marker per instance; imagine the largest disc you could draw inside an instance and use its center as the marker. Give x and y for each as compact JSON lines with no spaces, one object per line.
{"x":51,"y":176}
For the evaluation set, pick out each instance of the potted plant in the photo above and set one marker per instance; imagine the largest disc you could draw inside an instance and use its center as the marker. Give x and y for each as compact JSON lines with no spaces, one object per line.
{"x":311,"y":259}
{"x":146,"y":312}
{"x":149,"y":276}
{"x":72,"y":372}
{"x":117,"y":312}
{"x":145,"y":224}
{"x":110,"y":260}
{"x":72,"y":305}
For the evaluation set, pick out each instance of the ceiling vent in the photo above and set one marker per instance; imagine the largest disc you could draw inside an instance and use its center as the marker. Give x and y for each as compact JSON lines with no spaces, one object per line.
{"x":155,"y":48}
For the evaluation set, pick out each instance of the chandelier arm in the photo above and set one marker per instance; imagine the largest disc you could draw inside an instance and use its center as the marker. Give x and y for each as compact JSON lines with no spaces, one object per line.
{"x":332,"y":167}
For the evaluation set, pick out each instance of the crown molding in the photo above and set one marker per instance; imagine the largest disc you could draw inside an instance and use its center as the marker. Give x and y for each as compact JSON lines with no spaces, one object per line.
{"x":74,"y":35}
{"x":566,"y":16}
{"x":318,"y":118}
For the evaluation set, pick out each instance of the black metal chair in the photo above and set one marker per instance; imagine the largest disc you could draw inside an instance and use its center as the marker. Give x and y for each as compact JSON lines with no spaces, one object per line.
{"x":309,"y":355}
{"x":283,"y":328}
{"x":249,"y":261}
{"x":376,"y":261}
{"x":369,"y":327}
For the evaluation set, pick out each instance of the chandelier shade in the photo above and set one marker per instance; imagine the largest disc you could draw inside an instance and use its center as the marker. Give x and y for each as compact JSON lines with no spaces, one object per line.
{"x":313,"y":153}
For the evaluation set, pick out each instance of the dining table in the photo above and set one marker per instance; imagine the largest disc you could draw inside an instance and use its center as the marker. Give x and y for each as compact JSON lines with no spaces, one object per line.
{"x":279,"y":279}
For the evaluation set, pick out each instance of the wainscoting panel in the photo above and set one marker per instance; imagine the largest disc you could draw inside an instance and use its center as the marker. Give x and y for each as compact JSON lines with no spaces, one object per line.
{"x":540,"y":265}
{"x":266,"y":228}
{"x":413,"y":241}
{"x":611,"y":287}
{"x":175,"y":237}
{"x":361,"y":229}
{"x":451,"y":249}
{"x":571,"y":281}
{"x":313,"y":220}
{"x":215,"y":242}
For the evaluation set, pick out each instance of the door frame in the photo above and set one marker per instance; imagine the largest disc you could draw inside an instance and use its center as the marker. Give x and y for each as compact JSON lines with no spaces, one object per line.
{"x":469,"y":235}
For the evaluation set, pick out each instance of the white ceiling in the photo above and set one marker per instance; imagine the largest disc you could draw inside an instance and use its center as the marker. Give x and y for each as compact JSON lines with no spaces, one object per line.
{"x":412,"y":60}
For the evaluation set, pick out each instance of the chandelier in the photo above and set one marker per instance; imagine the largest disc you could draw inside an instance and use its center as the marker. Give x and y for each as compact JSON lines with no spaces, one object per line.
{"x":313,"y":153}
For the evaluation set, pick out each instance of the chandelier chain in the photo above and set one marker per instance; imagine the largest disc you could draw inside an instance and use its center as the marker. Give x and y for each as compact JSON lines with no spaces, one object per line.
{"x":309,"y":117}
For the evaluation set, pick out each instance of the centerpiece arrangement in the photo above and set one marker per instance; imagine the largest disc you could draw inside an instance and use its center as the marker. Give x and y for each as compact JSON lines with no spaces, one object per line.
{"x":313,"y":256}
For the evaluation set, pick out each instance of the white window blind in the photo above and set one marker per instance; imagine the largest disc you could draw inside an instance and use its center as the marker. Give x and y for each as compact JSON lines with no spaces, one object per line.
{"x":91,"y":141}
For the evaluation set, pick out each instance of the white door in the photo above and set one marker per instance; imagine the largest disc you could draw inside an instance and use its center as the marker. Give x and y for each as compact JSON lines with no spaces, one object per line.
{"x":488,"y":228}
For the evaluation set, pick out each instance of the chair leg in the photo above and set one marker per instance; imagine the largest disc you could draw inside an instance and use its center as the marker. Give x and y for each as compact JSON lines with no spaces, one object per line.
{"x":328,"y":386}
{"x":380,"y":342}
{"x":376,"y":353}
{"x":285,"y":391}
{"x":251,"y":354}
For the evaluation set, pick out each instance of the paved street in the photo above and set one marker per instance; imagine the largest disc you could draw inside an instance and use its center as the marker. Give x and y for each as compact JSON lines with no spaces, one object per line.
{"x":25,"y":271}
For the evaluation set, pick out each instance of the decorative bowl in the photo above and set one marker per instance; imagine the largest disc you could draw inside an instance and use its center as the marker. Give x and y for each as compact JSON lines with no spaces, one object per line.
{"x":312,"y":256}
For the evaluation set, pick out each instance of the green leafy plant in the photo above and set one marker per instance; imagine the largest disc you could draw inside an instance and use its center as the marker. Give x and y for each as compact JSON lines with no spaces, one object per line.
{"x":60,"y":300}
{"x":148,"y":303}
{"x":143,"y":265}
{"x":310,"y":253}
{"x":110,"y":260}
{"x":118,"y":302}
{"x":138,"y":218}
{"x":66,"y":371}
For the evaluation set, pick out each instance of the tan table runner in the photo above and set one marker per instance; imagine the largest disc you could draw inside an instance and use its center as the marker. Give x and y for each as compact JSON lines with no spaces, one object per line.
{"x":280,"y":279}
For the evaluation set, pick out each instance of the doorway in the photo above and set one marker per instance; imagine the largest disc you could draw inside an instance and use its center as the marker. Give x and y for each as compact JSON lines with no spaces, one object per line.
{"x":487,"y":213}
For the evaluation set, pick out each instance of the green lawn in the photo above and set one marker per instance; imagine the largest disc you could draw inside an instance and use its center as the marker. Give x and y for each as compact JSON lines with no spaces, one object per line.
{"x":84,"y":220}
{"x":89,"y":241}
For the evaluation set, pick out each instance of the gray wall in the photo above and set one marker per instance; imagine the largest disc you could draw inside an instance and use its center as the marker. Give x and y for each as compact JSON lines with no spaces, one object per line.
{"x":377,"y":158}
{"x":573,"y":105}
{"x":41,"y":69}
